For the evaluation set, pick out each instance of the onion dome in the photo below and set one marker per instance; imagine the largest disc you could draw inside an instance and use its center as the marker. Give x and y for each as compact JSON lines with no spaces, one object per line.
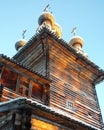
{"x":58,"y":30}
{"x":20,"y":44}
{"x":76,"y":42}
{"x":47,"y":18}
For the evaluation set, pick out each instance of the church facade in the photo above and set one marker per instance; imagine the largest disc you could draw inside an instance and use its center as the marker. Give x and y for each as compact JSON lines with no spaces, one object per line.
{"x":49,"y":84}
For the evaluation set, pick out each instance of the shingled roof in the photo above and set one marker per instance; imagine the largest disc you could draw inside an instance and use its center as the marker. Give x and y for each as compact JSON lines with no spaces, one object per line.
{"x":45,"y":30}
{"x":52,"y":114}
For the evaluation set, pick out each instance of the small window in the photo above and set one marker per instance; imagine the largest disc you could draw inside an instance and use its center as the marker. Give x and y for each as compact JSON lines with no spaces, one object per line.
{"x":90,"y":115}
{"x":69,"y":104}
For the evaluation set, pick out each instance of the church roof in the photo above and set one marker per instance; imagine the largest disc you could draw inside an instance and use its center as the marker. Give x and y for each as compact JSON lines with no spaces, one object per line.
{"x":52,"y":114}
{"x":44,"y":31}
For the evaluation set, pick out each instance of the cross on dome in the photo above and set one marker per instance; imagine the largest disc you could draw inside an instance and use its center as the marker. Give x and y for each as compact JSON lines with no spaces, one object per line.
{"x":23,"y":34}
{"x":74,"y":31}
{"x":47,"y":8}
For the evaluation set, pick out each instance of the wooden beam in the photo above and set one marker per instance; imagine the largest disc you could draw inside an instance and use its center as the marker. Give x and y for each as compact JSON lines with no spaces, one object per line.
{"x":18,"y":84}
{"x":30,"y":89}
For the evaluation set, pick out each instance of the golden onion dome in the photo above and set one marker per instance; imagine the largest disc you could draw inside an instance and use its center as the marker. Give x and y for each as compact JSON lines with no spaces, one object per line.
{"x":46,"y":17}
{"x":20,"y":44}
{"x":76,"y":42}
{"x":58,"y":29}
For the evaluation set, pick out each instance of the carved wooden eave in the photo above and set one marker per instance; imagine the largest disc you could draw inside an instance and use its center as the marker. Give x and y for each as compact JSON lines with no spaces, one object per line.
{"x":23,"y":70}
{"x":45,"y":32}
{"x":43,"y":112}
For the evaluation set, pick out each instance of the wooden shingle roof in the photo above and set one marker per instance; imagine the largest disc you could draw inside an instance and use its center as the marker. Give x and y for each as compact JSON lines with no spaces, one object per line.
{"x":43,"y":32}
{"x":44,"y":112}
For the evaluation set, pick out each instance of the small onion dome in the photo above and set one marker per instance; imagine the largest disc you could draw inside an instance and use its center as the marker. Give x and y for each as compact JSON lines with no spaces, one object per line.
{"x":76,"y":42}
{"x":20,"y":44}
{"x":58,"y":30}
{"x":46,"y":17}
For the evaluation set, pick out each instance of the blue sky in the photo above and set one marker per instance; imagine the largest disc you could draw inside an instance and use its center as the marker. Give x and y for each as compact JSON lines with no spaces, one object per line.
{"x":87,"y":16}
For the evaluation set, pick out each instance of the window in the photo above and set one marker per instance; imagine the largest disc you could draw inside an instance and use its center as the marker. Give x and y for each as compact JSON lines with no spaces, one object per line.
{"x":69,"y":104}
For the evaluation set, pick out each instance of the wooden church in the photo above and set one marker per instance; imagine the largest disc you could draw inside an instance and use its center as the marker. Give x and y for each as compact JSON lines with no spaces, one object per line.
{"x":49,"y":84}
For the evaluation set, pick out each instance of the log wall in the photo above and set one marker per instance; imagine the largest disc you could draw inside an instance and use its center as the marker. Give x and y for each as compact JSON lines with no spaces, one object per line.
{"x":43,"y":124}
{"x":34,"y":58}
{"x":71,"y":90}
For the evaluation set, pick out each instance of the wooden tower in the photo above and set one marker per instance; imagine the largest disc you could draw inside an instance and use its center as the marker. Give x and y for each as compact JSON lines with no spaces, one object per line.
{"x":49,"y":84}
